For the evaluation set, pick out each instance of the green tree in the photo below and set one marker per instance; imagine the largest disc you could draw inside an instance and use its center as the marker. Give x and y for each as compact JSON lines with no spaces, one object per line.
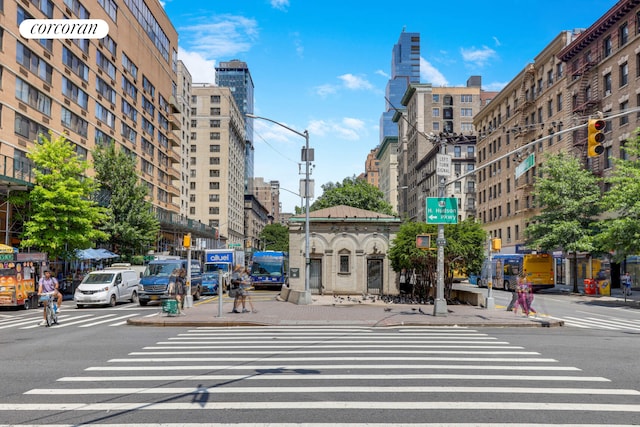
{"x":620,"y":232}
{"x":132,"y":226}
{"x":464,"y":251}
{"x":353,"y":192}
{"x":63,"y":217}
{"x":568,"y":196}
{"x":275,"y":237}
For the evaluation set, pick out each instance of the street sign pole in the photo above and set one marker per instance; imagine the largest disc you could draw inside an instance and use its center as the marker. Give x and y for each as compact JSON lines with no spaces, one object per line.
{"x":443,"y":169}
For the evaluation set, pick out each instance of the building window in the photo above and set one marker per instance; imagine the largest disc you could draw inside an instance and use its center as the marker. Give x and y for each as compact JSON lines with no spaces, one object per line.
{"x":214,"y":111}
{"x":624,"y":74}
{"x":109,"y":44}
{"x":33,"y":97}
{"x":214,"y":148}
{"x":103,"y":88}
{"x":214,"y":135}
{"x":74,"y":122}
{"x":214,"y":186}
{"x":74,"y":93}
{"x":105,"y":65}
{"x":624,"y":106}
{"x":466,"y":112}
{"x":214,"y":123}
{"x":31,"y":61}
{"x":75,"y":64}
{"x":466,"y":98}
{"x":607,"y":84}
{"x":435,"y":97}
{"x":623,"y":34}
{"x":549,"y":78}
{"x":215,"y":99}
{"x":111,"y":8}
{"x":435,"y":112}
{"x":128,"y":65}
{"x":606,"y":46}
{"x":344,"y":262}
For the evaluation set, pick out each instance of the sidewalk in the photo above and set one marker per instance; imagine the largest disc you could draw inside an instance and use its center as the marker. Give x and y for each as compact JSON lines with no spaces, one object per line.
{"x":328,"y":310}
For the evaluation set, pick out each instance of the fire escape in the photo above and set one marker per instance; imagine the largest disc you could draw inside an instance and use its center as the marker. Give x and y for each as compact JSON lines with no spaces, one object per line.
{"x":526,"y":97}
{"x":586,"y":102}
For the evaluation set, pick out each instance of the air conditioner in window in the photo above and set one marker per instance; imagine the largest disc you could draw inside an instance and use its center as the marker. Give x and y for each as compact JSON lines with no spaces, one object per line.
{"x":607,"y":92}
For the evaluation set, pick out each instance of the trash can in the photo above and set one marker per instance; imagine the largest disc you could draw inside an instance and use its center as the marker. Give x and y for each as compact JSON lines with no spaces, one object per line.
{"x":589,"y":286}
{"x":604,"y":287}
{"x":170,"y":306}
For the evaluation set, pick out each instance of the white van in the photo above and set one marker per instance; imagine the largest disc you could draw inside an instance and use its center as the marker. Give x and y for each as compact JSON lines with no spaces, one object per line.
{"x":108,"y":287}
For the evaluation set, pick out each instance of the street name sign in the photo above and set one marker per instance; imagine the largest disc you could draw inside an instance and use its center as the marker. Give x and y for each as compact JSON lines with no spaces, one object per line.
{"x":442,"y":210}
{"x":525,"y":165}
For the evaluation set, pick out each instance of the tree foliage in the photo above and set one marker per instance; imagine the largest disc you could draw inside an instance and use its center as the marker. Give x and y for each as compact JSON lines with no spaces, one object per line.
{"x":620,"y":232}
{"x":464,"y":251}
{"x":275,"y":237}
{"x":568,"y":196}
{"x":132,"y":226}
{"x":353,"y":192}
{"x":63,"y":217}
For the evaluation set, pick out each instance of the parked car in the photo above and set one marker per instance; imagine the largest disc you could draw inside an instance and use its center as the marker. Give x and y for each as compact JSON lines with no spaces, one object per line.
{"x":154,"y":283}
{"x":114,"y":284}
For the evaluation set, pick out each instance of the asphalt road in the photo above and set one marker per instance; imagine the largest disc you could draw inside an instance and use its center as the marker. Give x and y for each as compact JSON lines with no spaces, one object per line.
{"x":325,"y":375}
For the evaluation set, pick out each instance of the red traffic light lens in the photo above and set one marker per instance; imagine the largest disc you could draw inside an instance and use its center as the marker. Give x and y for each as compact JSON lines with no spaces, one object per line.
{"x":599,"y":125}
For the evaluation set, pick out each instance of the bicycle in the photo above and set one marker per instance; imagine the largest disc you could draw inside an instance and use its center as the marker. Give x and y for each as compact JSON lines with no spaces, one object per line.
{"x":50,"y":309}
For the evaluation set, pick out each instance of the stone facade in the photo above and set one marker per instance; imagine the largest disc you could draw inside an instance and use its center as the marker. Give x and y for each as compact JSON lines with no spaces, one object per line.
{"x":348,"y":249}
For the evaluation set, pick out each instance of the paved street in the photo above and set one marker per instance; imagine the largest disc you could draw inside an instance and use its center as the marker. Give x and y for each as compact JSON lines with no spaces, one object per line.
{"x":328,"y":376}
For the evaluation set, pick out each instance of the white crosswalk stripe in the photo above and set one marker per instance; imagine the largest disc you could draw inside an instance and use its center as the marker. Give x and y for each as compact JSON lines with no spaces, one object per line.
{"x":304,"y":376}
{"x":68,"y":318}
{"x":611,"y":323}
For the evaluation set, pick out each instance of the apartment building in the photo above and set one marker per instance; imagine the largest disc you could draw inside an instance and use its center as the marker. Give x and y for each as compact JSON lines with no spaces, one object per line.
{"x":387,"y":158}
{"x":522,"y":124}
{"x":268,"y":193}
{"x":431,"y":116}
{"x":183,"y":100}
{"x":371,"y":169}
{"x":122,"y":88}
{"x":216,"y":161}
{"x":603,"y":75}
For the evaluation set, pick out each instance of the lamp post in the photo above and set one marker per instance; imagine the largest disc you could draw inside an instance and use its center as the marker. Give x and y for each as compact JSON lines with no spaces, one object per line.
{"x":305,"y":298}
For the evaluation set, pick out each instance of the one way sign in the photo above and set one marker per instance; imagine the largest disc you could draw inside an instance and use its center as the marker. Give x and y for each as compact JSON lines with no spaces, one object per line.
{"x":442,"y":210}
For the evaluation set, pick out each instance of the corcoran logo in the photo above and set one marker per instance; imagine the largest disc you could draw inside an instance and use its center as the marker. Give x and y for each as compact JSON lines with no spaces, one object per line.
{"x":64,"y":28}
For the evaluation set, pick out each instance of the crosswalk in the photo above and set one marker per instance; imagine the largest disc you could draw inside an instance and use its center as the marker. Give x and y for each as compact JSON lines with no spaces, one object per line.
{"x":602,"y":322}
{"x":70,"y":317}
{"x":321,"y":376}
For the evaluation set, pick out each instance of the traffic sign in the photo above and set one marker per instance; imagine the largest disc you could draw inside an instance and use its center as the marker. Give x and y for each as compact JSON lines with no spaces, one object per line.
{"x":526,"y":164}
{"x":442,"y":210}
{"x":443,"y":165}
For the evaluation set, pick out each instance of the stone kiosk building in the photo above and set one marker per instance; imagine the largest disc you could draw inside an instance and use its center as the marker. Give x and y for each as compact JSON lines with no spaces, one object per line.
{"x":349,"y":250}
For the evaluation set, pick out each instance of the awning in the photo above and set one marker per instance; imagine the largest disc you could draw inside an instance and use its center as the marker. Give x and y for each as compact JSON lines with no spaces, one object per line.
{"x":95,"y":254}
{"x":5,"y":249}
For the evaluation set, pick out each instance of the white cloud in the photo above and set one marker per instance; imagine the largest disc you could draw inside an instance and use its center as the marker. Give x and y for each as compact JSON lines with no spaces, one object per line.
{"x":382,"y":73}
{"x":348,"y":128}
{"x":280,"y":4}
{"x":220,"y":35}
{"x":478,"y":57}
{"x":430,"y":74}
{"x":297,"y":43}
{"x":353,"y":82}
{"x":325,"y":90}
{"x":202,"y":70}
{"x":495,"y":86}
{"x":496,"y":41}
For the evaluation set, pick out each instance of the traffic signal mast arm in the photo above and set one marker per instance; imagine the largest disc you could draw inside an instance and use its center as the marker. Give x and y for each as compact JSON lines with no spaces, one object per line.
{"x":512,"y":152}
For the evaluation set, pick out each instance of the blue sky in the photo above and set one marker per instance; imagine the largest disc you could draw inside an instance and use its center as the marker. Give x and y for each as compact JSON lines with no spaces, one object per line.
{"x":323,"y":65}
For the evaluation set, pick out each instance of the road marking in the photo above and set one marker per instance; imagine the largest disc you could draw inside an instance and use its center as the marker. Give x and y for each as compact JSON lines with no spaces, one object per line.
{"x":75,"y":322}
{"x":284,"y":368}
{"x":330,"y":389}
{"x":279,"y":376}
{"x":107,"y":320}
{"x":314,"y":351}
{"x":335,"y":359}
{"x":515,"y":407}
{"x":278,"y":346}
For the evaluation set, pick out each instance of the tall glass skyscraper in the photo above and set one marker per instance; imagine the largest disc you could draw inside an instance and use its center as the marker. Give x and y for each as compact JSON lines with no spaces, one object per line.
{"x":235,"y":75}
{"x":405,"y":69}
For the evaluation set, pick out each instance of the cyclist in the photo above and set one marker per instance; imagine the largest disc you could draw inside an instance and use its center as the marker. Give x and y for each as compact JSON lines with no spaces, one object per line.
{"x":48,"y":285}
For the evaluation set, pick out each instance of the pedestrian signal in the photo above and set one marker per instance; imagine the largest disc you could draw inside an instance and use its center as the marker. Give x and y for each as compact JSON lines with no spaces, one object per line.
{"x":496,"y":244}
{"x":186,"y":240}
{"x":595,"y":138}
{"x":423,"y":241}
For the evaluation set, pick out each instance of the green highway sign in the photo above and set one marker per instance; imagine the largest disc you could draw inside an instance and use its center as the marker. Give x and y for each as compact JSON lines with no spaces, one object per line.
{"x":235,"y":245}
{"x":442,"y":210}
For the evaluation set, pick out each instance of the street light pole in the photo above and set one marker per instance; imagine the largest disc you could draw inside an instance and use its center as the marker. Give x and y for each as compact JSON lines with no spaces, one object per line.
{"x":305,"y":298}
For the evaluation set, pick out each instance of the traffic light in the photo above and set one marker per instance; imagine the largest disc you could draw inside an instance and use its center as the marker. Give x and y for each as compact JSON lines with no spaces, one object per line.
{"x":423,"y":241}
{"x":496,"y":244}
{"x":595,"y":137}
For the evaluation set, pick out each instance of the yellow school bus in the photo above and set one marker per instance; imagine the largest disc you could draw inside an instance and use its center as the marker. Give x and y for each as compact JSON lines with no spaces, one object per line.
{"x":539,"y":270}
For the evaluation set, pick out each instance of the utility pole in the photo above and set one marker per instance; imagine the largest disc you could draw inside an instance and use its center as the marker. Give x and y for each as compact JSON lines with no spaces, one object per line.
{"x":440,"y":303}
